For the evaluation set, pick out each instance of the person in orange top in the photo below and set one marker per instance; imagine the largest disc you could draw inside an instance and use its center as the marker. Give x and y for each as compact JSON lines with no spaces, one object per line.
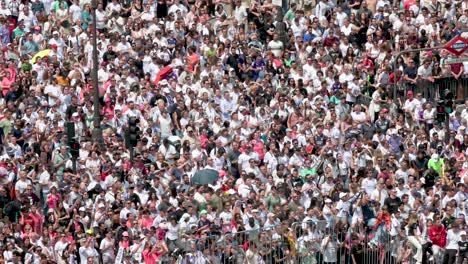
{"x":192,"y":59}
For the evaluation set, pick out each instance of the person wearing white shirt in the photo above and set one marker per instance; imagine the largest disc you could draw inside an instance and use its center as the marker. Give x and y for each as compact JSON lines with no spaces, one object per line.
{"x":29,"y":19}
{"x":369,"y":183}
{"x":226,"y":215}
{"x":297,"y":159}
{"x":276,"y":46}
{"x":88,"y":251}
{"x":343,"y":207}
{"x":113,"y":6}
{"x":123,"y":45}
{"x":379,"y":194}
{"x":347,"y":27}
{"x":453,"y":237}
{"x":328,"y":185}
{"x":340,"y":16}
{"x":54,"y":92}
{"x":321,"y":9}
{"x":101,"y":17}
{"x":309,"y":69}
{"x":421,"y":18}
{"x":245,"y":188}
{"x":60,"y":245}
{"x":58,"y":41}
{"x":107,"y":248}
{"x":411,"y":103}
{"x":172,"y":233}
{"x":240,"y":12}
{"x":270,"y":159}
{"x":425,"y":72}
{"x":75,"y":10}
{"x":244,"y":159}
{"x":297,"y":28}
{"x":271,"y":221}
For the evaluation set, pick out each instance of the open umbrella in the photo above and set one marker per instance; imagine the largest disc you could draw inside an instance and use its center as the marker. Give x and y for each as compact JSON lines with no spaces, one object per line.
{"x":163,"y":73}
{"x":206,"y":176}
{"x":40,"y":54}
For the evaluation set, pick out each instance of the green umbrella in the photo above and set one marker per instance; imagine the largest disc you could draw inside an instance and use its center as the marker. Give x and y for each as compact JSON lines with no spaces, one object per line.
{"x":206,"y":176}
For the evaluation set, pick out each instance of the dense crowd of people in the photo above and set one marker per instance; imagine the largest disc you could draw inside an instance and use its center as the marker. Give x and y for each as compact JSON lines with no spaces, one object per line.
{"x":262,"y":100}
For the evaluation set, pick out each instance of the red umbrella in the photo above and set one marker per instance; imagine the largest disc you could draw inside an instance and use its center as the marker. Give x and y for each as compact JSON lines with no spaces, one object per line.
{"x":163,"y":74}
{"x":408,"y":3}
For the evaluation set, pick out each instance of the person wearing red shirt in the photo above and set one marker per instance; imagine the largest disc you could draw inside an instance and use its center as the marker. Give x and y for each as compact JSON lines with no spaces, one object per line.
{"x":37,"y":219}
{"x":367,"y":63}
{"x":438,"y":237}
{"x":395,"y":76}
{"x":25,"y":221}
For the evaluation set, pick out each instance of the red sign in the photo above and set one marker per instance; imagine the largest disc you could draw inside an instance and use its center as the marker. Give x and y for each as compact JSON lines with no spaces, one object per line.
{"x":457,"y":45}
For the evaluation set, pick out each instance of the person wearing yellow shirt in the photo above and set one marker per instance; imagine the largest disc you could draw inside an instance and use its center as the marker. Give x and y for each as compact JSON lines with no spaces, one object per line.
{"x":437,"y":164}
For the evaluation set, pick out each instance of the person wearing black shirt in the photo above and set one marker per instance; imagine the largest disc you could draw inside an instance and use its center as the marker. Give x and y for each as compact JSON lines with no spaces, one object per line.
{"x":229,"y":255}
{"x":133,"y":197}
{"x":462,"y":250}
{"x":277,"y":253}
{"x":420,"y":163}
{"x":13,"y":94}
{"x":72,"y":108}
{"x":392,"y":202}
{"x":357,"y":250}
{"x":411,"y":74}
{"x":355,"y":4}
{"x":109,"y":55}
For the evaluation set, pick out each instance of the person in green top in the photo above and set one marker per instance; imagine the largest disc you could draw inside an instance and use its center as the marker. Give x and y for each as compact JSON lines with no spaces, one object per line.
{"x":272,"y":199}
{"x":291,"y":14}
{"x":436,"y":163}
{"x":56,"y":5}
{"x":18,"y":31}
{"x":60,"y":160}
{"x":5,"y":122}
{"x":307,"y":171}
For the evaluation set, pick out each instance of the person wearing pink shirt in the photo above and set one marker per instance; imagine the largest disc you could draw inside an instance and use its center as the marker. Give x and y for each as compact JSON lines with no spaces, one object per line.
{"x":7,"y":81}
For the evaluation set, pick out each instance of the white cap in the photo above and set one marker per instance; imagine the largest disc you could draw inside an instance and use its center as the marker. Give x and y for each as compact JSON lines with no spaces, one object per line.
{"x":55,"y":32}
{"x":163,"y":82}
{"x":184,"y":216}
{"x":342,"y":194}
{"x":328,"y":200}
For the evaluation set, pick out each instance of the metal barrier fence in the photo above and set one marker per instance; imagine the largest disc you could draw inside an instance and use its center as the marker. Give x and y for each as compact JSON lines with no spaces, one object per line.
{"x":434,"y":91}
{"x":302,"y":243}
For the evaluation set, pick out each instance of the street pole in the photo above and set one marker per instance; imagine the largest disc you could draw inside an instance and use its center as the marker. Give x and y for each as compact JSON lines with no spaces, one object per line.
{"x":74,"y":164}
{"x":97,"y":131}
